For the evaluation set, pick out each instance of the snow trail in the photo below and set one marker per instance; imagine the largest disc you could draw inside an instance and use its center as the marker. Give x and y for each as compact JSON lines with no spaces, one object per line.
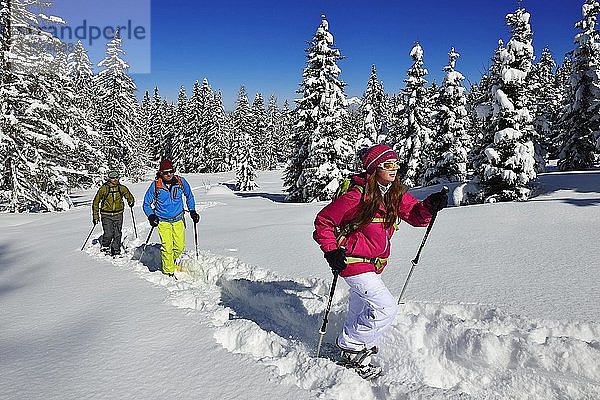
{"x":433,"y":350}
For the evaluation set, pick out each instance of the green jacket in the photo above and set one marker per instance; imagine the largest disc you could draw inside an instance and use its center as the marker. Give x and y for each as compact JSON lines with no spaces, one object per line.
{"x":109,"y":200}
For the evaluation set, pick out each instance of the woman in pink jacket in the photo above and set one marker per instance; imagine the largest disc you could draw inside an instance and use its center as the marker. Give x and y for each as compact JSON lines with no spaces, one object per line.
{"x":354,"y":232}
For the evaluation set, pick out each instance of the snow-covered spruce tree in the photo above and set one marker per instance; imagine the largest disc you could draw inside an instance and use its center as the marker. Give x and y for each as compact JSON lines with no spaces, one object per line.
{"x":546,"y":101}
{"x":273,"y":134}
{"x":83,"y":164}
{"x":243,"y":126}
{"x":222,"y":123}
{"x":286,"y":126}
{"x":213,"y":144}
{"x":580,"y":124}
{"x":192,"y":156}
{"x":373,"y":112}
{"x":509,"y":162}
{"x":208,"y":129}
{"x":84,"y":91}
{"x":168,"y":112}
{"x":37,"y":145}
{"x":411,"y":136}
{"x":155,"y":127}
{"x":180,"y":128}
{"x":451,"y":145}
{"x":260,"y":144}
{"x":119,"y":111}
{"x":481,"y":104}
{"x":321,"y":154}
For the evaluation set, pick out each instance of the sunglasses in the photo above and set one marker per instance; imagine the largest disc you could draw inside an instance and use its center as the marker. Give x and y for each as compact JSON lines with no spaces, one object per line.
{"x":389,"y":165}
{"x":168,"y":172}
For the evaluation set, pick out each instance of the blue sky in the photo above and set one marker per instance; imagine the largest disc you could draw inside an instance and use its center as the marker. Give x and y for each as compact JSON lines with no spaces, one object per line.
{"x":260,"y":44}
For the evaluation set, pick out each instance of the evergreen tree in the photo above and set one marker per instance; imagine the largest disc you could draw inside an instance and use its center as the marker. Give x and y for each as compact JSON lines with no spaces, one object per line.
{"x":243,"y":144}
{"x":119,"y":112}
{"x":482,"y":99}
{"x":286,"y":127}
{"x":509,"y":162}
{"x":373,"y":112}
{"x":223,"y":146}
{"x":321,"y":155}
{"x":168,"y":113}
{"x":155,"y":128}
{"x":412,"y":135}
{"x":145,"y":119}
{"x":546,"y":101}
{"x":451,"y":145}
{"x":84,"y":91}
{"x":36,"y":142}
{"x":180,"y":128}
{"x":273,"y":134}
{"x":260,"y":143}
{"x":193,"y":139}
{"x":580,"y":124}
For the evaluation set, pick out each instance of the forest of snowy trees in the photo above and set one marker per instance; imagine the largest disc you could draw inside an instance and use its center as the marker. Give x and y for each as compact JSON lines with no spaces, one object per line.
{"x":64,"y":123}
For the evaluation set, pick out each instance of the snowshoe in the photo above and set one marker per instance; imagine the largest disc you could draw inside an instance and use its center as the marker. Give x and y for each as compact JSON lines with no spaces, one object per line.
{"x":360,"y":361}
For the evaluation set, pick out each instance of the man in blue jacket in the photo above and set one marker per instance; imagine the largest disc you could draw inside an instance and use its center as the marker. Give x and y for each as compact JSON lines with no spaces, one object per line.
{"x":163,"y":205}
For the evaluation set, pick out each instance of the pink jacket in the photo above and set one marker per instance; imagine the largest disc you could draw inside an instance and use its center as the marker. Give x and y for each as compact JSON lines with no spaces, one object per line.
{"x":370,"y":241}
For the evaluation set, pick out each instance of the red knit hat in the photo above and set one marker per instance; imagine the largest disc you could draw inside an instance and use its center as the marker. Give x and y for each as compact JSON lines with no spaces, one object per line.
{"x":166,"y":165}
{"x":375,"y":155}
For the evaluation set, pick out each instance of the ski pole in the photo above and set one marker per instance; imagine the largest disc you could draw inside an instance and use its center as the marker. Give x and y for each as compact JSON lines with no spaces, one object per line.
{"x":196,"y":238}
{"x":323,"y":329}
{"x":88,"y":237}
{"x":133,"y":219}
{"x":415,"y":260}
{"x":145,"y":244}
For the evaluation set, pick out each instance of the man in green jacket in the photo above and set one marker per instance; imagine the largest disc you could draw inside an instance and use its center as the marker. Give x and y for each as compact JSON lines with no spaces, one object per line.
{"x":109,"y":201}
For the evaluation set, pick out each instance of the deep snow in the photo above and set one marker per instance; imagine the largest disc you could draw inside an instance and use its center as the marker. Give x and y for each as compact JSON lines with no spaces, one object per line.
{"x":503,"y":303}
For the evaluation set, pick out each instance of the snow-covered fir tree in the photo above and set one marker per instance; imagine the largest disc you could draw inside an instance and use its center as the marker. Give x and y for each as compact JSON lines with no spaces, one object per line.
{"x":286,"y":124}
{"x":321,"y":155}
{"x":411,"y":131}
{"x":81,"y":166}
{"x":546,"y":101}
{"x":190,"y":140}
{"x":119,"y":111}
{"x":580,"y":124}
{"x":373,"y":112}
{"x":82,"y":75}
{"x":243,"y":125}
{"x":449,"y":149}
{"x":508,"y":162}
{"x":223,"y":146}
{"x":168,"y":113}
{"x":213,"y":143}
{"x":180,"y":126}
{"x":259,"y":130}
{"x":481,"y":104}
{"x":38,"y":143}
{"x":273,"y":134}
{"x":155,"y":127}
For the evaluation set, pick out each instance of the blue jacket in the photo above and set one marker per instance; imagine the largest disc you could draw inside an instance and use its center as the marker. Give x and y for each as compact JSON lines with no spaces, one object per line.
{"x":167,"y":204}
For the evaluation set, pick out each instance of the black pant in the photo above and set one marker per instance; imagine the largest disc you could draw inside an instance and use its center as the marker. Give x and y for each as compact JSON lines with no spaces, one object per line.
{"x":112,"y":232}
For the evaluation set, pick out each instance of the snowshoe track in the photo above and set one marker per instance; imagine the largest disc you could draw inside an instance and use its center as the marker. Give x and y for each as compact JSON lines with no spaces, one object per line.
{"x":433,"y":350}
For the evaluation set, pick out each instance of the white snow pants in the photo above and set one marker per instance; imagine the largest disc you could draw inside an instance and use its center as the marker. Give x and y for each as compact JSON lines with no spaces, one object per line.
{"x":371,"y":310}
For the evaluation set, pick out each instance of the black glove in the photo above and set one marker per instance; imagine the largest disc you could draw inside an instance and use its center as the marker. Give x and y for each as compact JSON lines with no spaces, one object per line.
{"x":195,"y":216}
{"x":153,"y":219}
{"x":436,"y":201}
{"x":336,"y":260}
{"x":94,"y":221}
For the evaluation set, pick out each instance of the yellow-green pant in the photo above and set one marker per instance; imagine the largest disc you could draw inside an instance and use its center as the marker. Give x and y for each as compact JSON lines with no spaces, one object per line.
{"x":172,"y":236}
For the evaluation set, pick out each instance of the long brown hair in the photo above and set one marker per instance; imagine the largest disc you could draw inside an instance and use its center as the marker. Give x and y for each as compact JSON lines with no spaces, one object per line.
{"x":372,"y":198}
